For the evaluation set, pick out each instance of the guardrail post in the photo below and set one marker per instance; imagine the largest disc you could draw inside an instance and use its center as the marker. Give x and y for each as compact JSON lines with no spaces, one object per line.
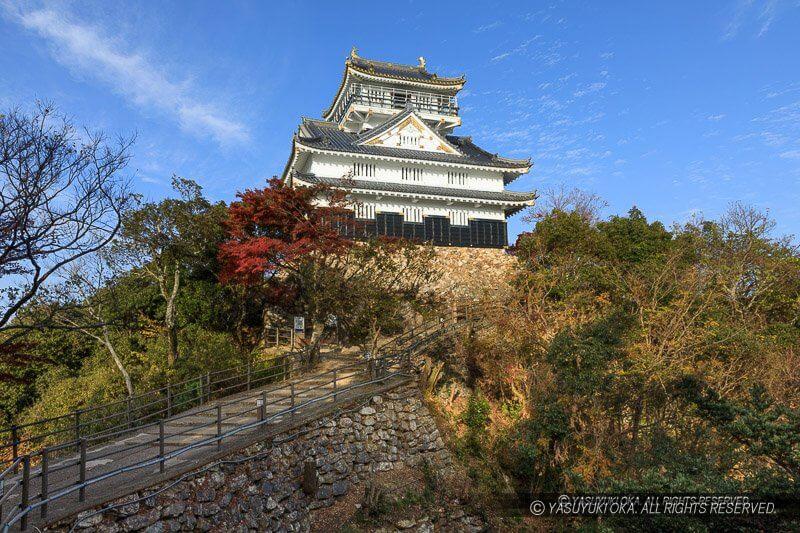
{"x":128,"y":412}
{"x":82,"y":472}
{"x":44,"y":492}
{"x":334,"y":384}
{"x":26,"y":485}
{"x":161,"y":445}
{"x":219,"y":427}
{"x":15,"y":445}
{"x":262,"y":409}
{"x":249,"y":369}
{"x":208,"y":386}
{"x":277,"y":337}
{"x":291,"y":390}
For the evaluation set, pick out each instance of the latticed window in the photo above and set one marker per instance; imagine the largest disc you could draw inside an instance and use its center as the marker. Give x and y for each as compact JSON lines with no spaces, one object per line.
{"x":459,"y":218}
{"x":409,"y":141}
{"x":365,"y":211}
{"x":412,"y":214}
{"x":366,"y":170}
{"x":456,"y":178}
{"x":411,"y":174}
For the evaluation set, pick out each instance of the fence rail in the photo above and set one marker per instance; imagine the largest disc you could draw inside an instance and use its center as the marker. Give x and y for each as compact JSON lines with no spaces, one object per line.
{"x":43,"y":481}
{"x":111,"y":419}
{"x":36,"y":487}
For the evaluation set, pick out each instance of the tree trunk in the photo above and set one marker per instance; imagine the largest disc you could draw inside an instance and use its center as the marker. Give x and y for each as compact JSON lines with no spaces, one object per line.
{"x":269,"y":319}
{"x":637,"y":419}
{"x":317,"y":328}
{"x":373,"y":349}
{"x":110,"y":347}
{"x":170,"y":321}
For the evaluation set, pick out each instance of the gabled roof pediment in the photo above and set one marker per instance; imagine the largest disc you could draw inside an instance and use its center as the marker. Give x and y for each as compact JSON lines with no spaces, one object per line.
{"x":407,"y":131}
{"x":329,"y":137}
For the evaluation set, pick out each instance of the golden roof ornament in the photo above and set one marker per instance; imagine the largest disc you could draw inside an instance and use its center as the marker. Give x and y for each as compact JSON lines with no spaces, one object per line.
{"x":353,"y":53}
{"x":421,"y":63}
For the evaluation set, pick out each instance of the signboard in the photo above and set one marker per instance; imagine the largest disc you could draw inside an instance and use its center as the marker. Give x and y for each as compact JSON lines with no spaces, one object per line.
{"x":299,"y":323}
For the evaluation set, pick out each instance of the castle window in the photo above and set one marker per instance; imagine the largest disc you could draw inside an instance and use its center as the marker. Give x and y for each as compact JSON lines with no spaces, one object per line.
{"x":456,"y":178}
{"x":459,"y":218}
{"x":365,"y":211}
{"x":411,"y":174}
{"x":399,"y":98}
{"x":409,"y":141}
{"x":366,"y":170}
{"x":412,"y":214}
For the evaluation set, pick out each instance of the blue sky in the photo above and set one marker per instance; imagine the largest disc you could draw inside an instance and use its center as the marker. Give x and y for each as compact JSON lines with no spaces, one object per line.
{"x":676,"y":107}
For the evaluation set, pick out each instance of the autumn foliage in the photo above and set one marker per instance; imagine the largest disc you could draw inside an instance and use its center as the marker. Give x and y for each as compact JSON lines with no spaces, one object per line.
{"x":286,"y":243}
{"x":271,"y":228}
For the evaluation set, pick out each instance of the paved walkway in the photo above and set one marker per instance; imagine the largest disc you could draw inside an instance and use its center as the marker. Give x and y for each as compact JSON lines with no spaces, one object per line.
{"x":192,"y":427}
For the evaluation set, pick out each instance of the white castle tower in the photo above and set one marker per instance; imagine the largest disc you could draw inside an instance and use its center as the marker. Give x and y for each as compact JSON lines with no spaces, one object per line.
{"x":387,"y":139}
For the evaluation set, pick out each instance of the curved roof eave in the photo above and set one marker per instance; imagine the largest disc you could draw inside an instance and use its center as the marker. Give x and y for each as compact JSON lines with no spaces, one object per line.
{"x":521,"y":170}
{"x":500,"y":198}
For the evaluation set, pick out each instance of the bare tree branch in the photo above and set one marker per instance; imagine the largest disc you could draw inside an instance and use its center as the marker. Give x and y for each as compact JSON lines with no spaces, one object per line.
{"x":61,"y":199}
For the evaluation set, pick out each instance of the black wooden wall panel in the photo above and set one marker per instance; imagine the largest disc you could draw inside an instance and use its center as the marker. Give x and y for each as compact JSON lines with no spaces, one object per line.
{"x":435,"y":229}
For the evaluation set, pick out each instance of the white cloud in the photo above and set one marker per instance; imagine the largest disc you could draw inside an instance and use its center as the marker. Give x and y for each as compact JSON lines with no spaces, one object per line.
{"x":748,"y":12}
{"x":791,"y":154}
{"x":732,"y":29}
{"x":591,"y":88}
{"x":767,"y":16}
{"x":715,"y":118}
{"x":487,"y":27}
{"x":88,"y":50}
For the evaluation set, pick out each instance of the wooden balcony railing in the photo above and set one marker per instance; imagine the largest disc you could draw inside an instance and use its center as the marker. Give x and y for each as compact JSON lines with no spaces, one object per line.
{"x":393,"y":98}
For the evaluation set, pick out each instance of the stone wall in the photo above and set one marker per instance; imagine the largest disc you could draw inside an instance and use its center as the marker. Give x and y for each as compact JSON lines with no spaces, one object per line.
{"x":274,"y":485}
{"x":472,"y":272}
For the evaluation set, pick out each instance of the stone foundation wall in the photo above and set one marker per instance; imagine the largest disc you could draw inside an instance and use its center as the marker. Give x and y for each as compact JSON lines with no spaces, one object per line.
{"x":274,"y":485}
{"x":472,"y":272}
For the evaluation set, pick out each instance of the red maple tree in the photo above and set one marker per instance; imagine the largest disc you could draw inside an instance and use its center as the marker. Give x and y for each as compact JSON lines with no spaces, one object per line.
{"x":286,"y":241}
{"x":271,"y":229}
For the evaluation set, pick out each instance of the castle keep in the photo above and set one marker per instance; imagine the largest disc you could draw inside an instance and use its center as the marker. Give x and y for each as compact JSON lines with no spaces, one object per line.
{"x":388,"y":139}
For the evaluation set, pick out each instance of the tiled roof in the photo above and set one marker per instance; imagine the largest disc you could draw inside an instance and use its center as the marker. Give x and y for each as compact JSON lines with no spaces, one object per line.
{"x":325,"y":135}
{"x":398,"y":71}
{"x":496,"y":196}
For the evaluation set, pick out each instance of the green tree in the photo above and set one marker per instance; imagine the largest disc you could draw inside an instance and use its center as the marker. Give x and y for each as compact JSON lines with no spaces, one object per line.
{"x":169,"y":239}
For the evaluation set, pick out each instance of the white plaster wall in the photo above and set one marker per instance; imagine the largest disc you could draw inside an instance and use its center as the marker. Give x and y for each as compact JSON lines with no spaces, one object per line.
{"x":395,"y":205}
{"x":331,"y":166}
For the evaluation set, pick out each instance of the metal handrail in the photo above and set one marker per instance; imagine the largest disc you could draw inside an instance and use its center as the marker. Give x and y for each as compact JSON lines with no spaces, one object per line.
{"x":398,"y":362}
{"x":79,"y":422}
{"x":26,"y":506}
